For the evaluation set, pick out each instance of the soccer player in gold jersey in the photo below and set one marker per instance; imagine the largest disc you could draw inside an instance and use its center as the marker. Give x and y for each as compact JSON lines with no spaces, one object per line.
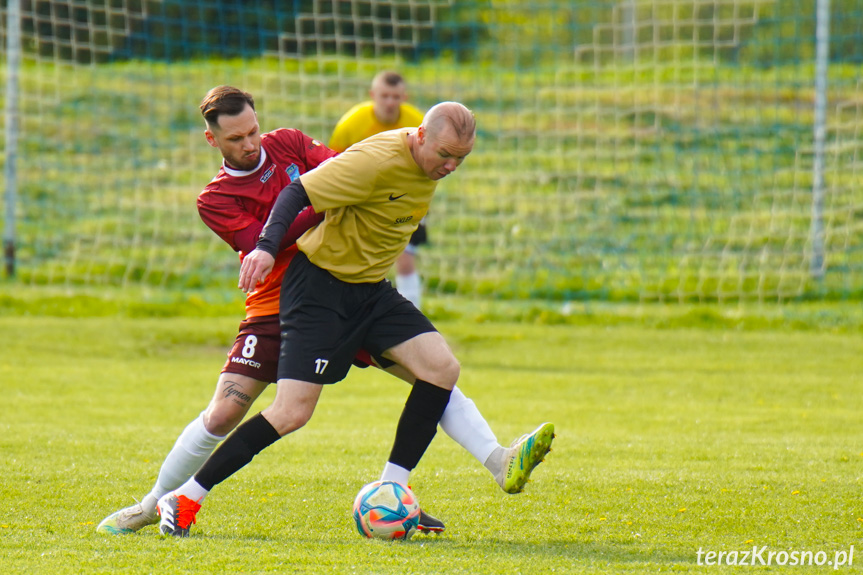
{"x":335,"y":300}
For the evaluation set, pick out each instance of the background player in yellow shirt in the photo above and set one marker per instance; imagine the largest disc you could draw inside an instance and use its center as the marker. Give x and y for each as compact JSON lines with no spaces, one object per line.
{"x":388,"y":109}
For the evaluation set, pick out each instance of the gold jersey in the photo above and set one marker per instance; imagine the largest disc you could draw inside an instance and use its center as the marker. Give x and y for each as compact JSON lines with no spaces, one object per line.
{"x":374,"y":196}
{"x":360,"y":122}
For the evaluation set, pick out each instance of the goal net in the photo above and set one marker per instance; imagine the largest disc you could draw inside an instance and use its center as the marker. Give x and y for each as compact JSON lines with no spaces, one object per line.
{"x":635,"y":150}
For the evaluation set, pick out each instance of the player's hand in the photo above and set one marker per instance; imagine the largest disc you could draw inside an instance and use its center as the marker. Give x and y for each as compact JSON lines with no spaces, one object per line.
{"x":256,"y":267}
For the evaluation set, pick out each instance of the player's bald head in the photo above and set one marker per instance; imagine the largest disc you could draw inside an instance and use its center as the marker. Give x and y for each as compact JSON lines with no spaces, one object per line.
{"x":450,"y":115}
{"x":444,"y":140}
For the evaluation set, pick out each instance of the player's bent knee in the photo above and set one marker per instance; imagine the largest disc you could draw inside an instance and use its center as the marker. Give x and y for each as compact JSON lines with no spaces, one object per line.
{"x":234,"y":395}
{"x":441,"y":373}
{"x":448,"y":365}
{"x":450,"y":373}
{"x":293,"y":407}
{"x":287,"y":421}
{"x":220,"y":419}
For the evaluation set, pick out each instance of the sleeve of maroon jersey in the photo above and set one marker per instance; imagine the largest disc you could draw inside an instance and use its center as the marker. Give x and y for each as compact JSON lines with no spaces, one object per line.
{"x":307,"y":219}
{"x":243,"y":240}
{"x":224,"y":215}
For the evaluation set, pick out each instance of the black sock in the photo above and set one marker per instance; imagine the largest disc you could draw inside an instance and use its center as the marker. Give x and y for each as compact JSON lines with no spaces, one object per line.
{"x":238,"y":449}
{"x":418,"y":423}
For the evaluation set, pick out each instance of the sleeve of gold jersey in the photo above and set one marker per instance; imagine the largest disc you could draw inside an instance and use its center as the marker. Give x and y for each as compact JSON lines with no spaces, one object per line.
{"x":347,"y":128}
{"x":345,"y":180}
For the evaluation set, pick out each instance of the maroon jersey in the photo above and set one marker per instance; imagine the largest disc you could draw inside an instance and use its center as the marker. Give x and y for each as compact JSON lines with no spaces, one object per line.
{"x":236,"y":204}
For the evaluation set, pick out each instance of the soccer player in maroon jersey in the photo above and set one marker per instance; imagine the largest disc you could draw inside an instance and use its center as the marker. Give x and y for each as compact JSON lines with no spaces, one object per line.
{"x":235,"y":205}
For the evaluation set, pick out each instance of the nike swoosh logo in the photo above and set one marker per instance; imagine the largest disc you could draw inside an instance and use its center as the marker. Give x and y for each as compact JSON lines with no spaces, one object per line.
{"x":392,"y":198}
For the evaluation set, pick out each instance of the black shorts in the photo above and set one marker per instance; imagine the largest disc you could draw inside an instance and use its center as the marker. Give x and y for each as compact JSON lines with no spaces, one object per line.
{"x":255,"y":352}
{"x":326,"y":321}
{"x":420,"y":236}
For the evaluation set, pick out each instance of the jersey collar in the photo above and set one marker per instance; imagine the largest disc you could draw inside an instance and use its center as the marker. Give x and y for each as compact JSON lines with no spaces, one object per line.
{"x":240,"y":173}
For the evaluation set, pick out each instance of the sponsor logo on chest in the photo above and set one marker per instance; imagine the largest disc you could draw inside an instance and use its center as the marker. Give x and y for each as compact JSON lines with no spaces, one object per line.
{"x":268,"y":174}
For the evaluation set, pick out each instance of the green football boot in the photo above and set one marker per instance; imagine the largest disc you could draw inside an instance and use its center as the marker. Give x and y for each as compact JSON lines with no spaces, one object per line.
{"x":525,"y":454}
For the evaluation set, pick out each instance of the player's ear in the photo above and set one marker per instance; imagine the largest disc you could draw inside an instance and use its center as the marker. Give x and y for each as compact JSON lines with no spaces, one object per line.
{"x":211,"y":139}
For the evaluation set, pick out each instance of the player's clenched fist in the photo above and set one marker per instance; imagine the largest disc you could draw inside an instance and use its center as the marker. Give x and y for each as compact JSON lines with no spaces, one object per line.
{"x":256,"y":267}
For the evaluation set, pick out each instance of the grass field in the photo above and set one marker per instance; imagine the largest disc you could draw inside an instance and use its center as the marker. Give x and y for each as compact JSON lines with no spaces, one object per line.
{"x":669,"y":440}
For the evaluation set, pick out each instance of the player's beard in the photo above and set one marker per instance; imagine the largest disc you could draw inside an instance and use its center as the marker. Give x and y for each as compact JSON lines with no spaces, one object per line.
{"x":245,"y":162}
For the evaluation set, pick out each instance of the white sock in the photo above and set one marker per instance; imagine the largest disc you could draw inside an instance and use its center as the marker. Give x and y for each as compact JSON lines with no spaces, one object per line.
{"x":410,"y":287}
{"x":494,"y":463}
{"x":465,"y":424}
{"x":193,"y":490}
{"x":189,"y":453}
{"x":397,"y":473}
{"x":148,"y":504}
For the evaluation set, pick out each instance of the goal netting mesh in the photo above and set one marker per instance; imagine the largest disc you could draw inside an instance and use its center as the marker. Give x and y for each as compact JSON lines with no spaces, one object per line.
{"x":634,"y":150}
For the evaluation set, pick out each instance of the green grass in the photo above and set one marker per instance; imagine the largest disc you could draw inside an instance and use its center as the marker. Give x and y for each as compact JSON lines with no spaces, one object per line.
{"x":669,"y":439}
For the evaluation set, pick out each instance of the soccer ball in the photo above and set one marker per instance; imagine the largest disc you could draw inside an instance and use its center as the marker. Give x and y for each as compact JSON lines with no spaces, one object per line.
{"x":386,"y":510}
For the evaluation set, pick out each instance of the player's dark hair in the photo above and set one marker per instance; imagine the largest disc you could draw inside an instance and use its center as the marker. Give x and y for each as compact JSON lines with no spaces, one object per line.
{"x":225,"y":100}
{"x":391,"y":78}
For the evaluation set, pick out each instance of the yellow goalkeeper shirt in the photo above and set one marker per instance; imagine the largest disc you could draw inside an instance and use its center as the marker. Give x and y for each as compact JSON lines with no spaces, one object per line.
{"x":373,"y":195}
{"x":360,"y":122}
